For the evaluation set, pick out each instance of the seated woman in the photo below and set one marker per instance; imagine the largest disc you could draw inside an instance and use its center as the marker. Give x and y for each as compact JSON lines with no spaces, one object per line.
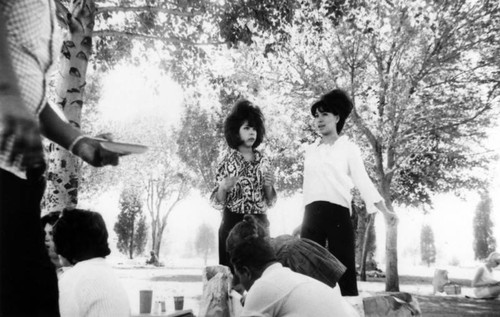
{"x":274,"y":290}
{"x":90,"y":287}
{"x":484,"y":283}
{"x":48,"y":222}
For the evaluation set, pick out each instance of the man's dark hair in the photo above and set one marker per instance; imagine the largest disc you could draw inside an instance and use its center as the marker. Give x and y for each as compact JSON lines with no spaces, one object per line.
{"x":249,"y":245}
{"x":81,"y":235}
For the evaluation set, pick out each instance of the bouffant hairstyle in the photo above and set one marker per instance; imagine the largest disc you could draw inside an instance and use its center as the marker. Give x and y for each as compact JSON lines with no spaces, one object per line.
{"x":81,"y":235}
{"x":243,"y":111}
{"x":249,"y":245}
{"x":50,"y":218}
{"x":337,"y":102}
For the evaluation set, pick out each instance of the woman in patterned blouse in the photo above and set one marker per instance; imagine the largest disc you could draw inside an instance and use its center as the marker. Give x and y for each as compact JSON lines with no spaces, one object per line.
{"x":245,"y":183}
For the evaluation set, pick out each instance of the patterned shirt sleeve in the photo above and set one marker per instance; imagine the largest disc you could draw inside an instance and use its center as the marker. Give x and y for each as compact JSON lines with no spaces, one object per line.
{"x":221,"y":174}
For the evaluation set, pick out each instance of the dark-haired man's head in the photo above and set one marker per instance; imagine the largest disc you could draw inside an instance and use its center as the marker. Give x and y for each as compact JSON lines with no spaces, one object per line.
{"x":250,"y":250}
{"x":81,"y":235}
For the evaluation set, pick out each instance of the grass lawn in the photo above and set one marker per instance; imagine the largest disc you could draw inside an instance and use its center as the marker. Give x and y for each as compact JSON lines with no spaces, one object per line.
{"x":438,"y":305}
{"x":167,"y":282}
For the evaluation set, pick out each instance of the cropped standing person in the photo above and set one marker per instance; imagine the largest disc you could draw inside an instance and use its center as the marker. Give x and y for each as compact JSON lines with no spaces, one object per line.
{"x":245,"y":184}
{"x":332,"y":166}
{"x":27,"y":50}
{"x":484,"y":283}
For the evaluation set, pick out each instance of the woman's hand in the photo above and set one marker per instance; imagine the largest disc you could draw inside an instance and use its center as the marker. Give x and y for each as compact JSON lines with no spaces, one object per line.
{"x":228,"y":183}
{"x":268,"y":179}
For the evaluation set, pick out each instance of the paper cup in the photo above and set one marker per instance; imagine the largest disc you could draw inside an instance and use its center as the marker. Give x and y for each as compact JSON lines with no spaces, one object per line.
{"x":179,"y":302}
{"x":145,"y":301}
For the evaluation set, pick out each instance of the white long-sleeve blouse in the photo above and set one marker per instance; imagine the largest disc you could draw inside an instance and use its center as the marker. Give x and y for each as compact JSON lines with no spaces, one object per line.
{"x":332,"y":170}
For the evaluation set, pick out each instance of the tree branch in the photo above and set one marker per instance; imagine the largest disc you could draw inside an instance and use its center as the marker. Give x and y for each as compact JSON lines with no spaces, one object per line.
{"x":152,"y":37}
{"x":61,"y":14}
{"x":110,"y":9}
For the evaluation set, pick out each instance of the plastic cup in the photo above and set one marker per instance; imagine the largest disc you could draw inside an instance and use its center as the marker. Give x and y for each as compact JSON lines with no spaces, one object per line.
{"x":179,"y":302}
{"x":145,"y":301}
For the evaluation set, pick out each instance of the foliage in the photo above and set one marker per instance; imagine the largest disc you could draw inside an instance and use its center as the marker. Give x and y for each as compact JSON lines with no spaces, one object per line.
{"x":484,"y":240}
{"x":427,"y":245}
{"x":131,"y":227}
{"x":200,"y":143}
{"x":205,"y":241}
{"x":423,"y":76}
{"x":423,"y":79}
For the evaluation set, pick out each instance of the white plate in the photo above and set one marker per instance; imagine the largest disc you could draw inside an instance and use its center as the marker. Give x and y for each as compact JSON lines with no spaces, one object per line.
{"x":124,"y":148}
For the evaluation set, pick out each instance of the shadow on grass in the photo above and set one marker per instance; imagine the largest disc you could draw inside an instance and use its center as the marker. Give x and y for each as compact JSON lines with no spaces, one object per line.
{"x":177,"y":278}
{"x":419,"y":280}
{"x":433,"y":306}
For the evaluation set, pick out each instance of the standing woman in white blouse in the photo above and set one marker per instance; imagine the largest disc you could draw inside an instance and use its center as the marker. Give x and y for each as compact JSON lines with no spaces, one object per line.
{"x":332,"y":167}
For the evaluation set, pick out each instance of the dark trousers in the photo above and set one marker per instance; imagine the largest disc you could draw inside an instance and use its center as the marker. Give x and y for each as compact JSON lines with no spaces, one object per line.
{"x":229,"y":220}
{"x":326,"y":222}
{"x":28,"y":281}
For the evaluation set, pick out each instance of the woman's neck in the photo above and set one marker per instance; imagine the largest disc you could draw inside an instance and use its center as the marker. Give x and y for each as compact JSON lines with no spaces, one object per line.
{"x":247,"y":152}
{"x":329,"y":138}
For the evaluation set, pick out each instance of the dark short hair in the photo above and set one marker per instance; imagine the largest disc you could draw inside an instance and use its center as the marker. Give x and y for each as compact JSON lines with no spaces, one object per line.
{"x":50,"y":218}
{"x":243,"y":111}
{"x":249,"y":245}
{"x":337,"y":102}
{"x":81,"y":235}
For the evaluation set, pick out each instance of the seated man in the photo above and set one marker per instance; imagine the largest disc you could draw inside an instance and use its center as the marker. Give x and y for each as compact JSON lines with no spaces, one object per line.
{"x":153,"y":259}
{"x":90,"y":287}
{"x":274,"y":290}
{"x":484,"y":283}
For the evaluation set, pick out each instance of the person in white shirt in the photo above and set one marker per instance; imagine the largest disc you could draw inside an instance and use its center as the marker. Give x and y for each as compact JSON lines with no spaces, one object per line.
{"x":90,"y":287}
{"x":332,"y":167}
{"x":274,"y":290}
{"x":484,"y":283}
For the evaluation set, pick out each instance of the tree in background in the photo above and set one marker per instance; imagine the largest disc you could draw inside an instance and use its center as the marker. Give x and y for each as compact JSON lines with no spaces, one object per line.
{"x":427,"y":245}
{"x":423,"y":80}
{"x":205,"y":241}
{"x":182,"y":30}
{"x":484,"y":241}
{"x":423,"y":76}
{"x":131,"y":227}
{"x":364,"y":226}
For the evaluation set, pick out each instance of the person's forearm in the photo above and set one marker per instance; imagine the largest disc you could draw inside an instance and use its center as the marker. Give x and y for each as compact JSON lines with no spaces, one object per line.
{"x":270,"y":193}
{"x":56,"y":129}
{"x":221,"y":195}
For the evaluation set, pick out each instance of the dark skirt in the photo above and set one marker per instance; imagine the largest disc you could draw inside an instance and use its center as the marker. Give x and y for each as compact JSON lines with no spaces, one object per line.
{"x":330,"y":224}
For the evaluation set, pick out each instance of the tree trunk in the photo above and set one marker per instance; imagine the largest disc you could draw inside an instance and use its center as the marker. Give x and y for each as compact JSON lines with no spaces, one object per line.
{"x":131,"y":245}
{"x":63,"y":170}
{"x":391,"y":252}
{"x":157,"y":240}
{"x":364,"y":250}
